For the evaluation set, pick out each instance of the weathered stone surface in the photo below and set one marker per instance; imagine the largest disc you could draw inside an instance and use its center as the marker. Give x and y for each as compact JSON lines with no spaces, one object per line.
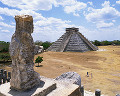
{"x":73,"y":41}
{"x":71,"y":77}
{"x":21,"y":50}
{"x":44,"y":88}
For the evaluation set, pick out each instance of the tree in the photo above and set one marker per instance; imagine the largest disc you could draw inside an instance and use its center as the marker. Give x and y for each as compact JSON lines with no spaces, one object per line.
{"x":97,"y":43}
{"x":46,"y":44}
{"x":116,"y":42}
{"x":103,"y":43}
{"x":38,"y":42}
{"x":38,"y":60}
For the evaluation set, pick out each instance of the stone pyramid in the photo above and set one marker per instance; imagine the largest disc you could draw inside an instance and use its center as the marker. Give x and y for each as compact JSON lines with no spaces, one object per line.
{"x":72,"y":41}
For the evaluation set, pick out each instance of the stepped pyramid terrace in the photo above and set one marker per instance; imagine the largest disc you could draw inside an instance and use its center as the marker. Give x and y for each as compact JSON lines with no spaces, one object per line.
{"x":72,"y":41}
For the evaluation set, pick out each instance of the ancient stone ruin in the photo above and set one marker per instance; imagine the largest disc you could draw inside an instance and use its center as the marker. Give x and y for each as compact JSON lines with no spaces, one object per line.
{"x":23,"y":77}
{"x":73,"y":41}
{"x":22,"y":54}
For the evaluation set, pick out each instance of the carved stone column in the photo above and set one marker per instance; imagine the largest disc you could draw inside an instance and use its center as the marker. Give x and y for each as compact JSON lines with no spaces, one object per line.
{"x":21,"y":50}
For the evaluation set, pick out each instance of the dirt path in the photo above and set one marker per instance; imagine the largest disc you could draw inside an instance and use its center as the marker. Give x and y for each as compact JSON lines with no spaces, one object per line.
{"x":104,"y":66}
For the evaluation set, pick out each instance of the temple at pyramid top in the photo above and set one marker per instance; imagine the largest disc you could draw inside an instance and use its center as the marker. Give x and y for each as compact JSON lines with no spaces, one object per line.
{"x":73,"y":29}
{"x":72,"y":41}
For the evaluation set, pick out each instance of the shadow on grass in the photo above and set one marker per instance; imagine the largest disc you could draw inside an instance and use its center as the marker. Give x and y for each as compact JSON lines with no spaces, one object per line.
{"x":39,"y":66}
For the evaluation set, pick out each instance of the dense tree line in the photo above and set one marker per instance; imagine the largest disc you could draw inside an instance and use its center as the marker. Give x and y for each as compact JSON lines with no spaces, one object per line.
{"x":45,"y":44}
{"x":4,"y":51}
{"x":4,"y":46}
{"x":104,"y":43}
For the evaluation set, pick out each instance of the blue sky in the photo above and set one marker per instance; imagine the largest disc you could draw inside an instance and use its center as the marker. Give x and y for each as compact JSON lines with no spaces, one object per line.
{"x":96,"y":19}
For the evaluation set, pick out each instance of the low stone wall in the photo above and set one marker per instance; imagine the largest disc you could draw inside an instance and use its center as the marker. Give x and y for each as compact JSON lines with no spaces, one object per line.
{"x":46,"y":91}
{"x":76,"y":92}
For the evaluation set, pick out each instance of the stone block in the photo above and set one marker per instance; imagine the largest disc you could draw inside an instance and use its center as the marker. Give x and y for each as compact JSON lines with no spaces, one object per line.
{"x":44,"y":88}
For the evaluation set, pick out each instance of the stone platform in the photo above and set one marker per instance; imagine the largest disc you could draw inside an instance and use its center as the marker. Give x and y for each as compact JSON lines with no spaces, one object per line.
{"x":42,"y":90}
{"x":65,"y":89}
{"x":48,"y":87}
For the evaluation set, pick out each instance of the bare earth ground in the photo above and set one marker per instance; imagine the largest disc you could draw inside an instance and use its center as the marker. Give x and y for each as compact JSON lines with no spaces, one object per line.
{"x":104,"y":66}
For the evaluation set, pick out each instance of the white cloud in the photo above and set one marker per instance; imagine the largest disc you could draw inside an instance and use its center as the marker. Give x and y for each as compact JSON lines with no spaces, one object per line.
{"x":6,"y":25}
{"x":51,"y":21}
{"x":29,"y":4}
{"x":113,"y":5}
{"x":76,"y":14}
{"x":106,"y":13}
{"x":71,"y":6}
{"x":65,"y":2}
{"x":100,"y":16}
{"x":119,"y":27}
{"x":118,"y":2}
{"x":113,"y":20}
{"x":112,"y":33}
{"x":36,"y":16}
{"x":106,"y":4}
{"x":90,"y":3}
{"x":104,"y":25}
{"x":1,"y":18}
{"x":5,"y":30}
{"x":78,"y":6}
{"x":8,"y":12}
{"x":13,"y":12}
{"x":51,"y":28}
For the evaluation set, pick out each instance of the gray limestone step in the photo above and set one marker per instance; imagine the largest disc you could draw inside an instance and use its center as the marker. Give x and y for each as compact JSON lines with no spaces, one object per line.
{"x":76,"y":43}
{"x":43,"y":89}
{"x":70,"y":40}
{"x":64,"y":89}
{"x":48,"y":87}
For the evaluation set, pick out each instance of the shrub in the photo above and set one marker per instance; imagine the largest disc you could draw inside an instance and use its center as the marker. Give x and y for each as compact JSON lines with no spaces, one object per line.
{"x":38,"y":60}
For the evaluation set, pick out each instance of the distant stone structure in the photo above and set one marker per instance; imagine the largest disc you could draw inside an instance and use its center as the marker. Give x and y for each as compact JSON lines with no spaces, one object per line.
{"x":38,"y":49}
{"x":73,"y":41}
{"x":21,"y":50}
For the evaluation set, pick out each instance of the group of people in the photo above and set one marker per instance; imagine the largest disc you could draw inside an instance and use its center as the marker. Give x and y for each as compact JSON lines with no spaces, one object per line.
{"x":90,"y":74}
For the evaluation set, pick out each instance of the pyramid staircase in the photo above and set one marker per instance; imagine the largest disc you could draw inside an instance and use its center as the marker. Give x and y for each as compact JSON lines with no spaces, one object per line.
{"x":73,"y":41}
